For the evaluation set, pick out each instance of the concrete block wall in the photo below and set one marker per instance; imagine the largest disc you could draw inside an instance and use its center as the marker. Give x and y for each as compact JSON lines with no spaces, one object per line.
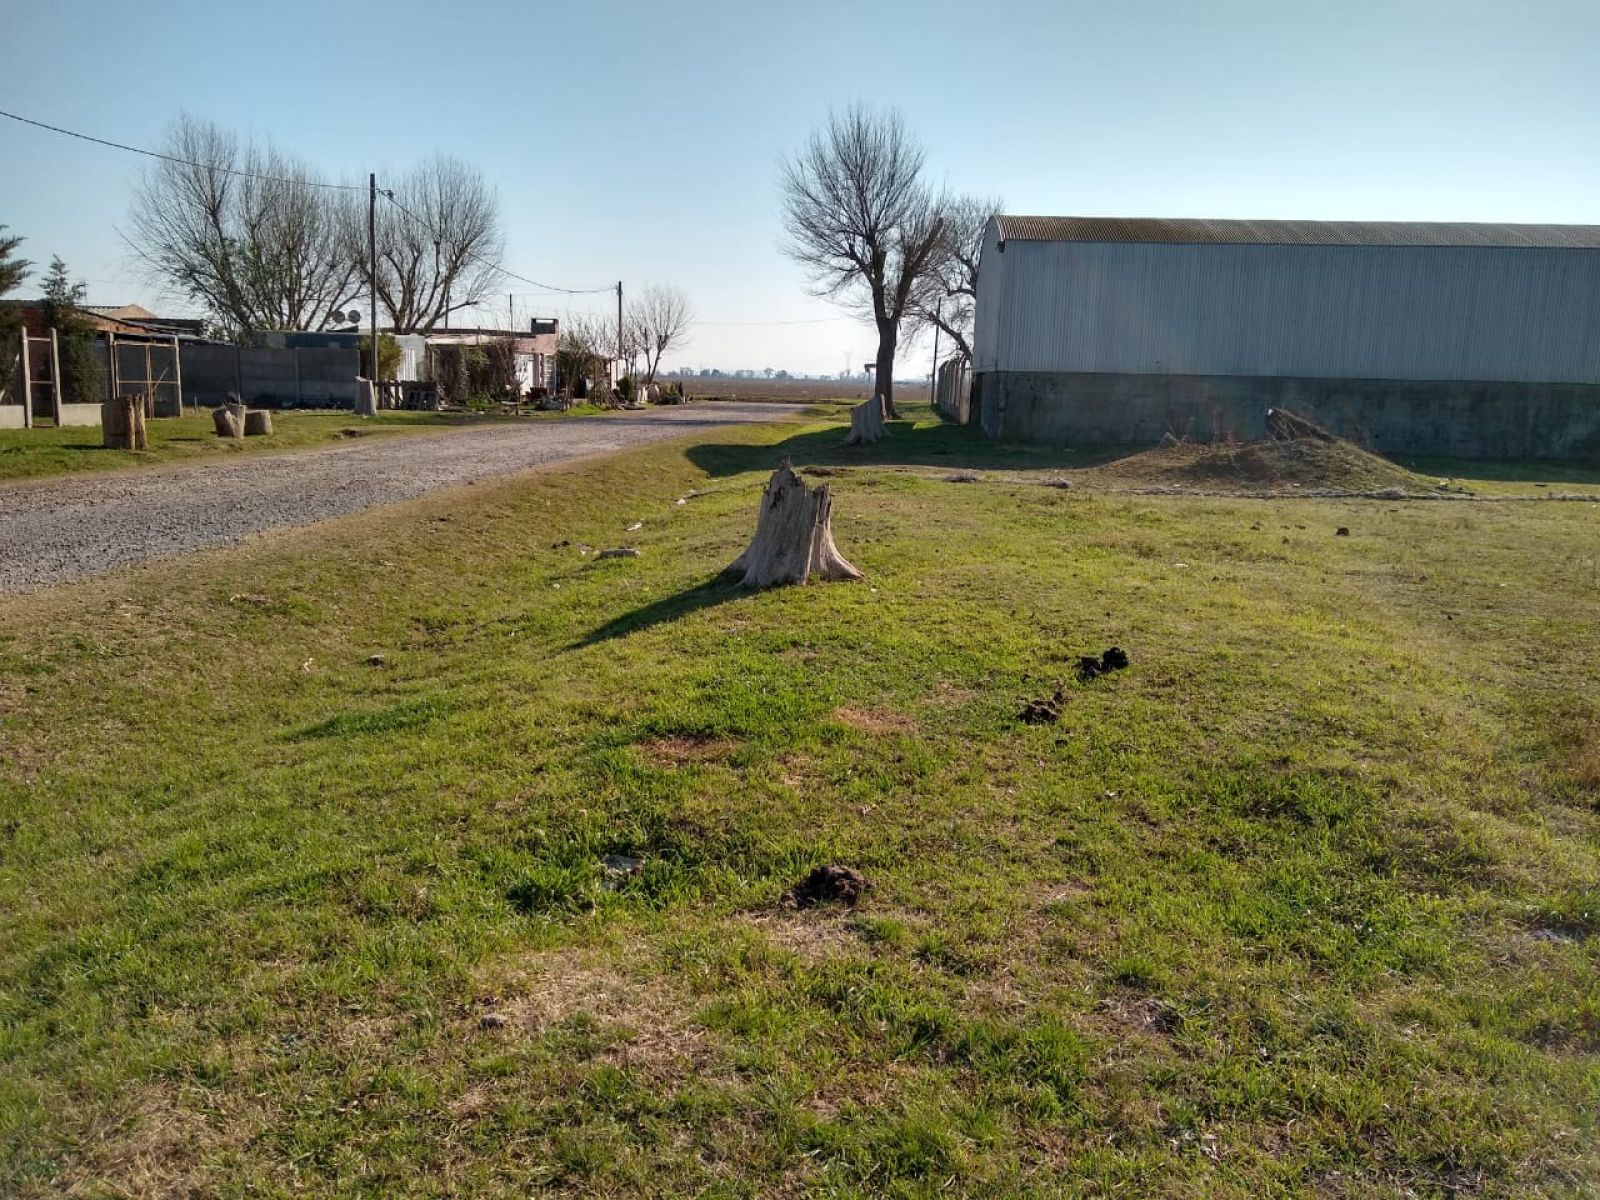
{"x":1438,"y":418}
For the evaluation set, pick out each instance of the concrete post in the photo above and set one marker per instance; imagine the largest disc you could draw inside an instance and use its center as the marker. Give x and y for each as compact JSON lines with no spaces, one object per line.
{"x":55,"y":373}
{"x":27,"y":384}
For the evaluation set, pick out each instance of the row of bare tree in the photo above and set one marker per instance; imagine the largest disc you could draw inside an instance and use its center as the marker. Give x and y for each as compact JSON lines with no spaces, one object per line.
{"x":876,"y":237}
{"x":261,"y":240}
{"x":654,"y":323}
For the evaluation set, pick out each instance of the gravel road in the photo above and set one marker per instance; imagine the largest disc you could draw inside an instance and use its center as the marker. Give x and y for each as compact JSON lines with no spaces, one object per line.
{"x":64,"y":529}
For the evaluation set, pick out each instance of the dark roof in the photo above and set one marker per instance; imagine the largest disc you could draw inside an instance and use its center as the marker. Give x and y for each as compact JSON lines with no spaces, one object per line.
{"x":1295,"y":233}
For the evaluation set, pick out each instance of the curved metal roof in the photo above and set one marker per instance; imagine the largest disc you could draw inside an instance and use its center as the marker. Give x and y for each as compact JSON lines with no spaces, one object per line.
{"x":1295,"y":233}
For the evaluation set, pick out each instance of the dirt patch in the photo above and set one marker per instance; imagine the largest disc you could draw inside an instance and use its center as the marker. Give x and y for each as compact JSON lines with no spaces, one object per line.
{"x":1304,"y":464}
{"x":831,"y":884}
{"x":679,"y":751}
{"x":645,"y":1016}
{"x":874,"y":720}
{"x":813,"y":936}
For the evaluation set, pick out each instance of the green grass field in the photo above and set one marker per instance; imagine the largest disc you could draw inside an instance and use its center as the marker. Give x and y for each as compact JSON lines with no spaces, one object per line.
{"x":1305,"y":902}
{"x":48,"y":450}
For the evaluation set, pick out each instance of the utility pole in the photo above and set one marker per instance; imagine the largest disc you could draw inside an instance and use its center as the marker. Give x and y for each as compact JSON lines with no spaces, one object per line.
{"x":372,"y":264}
{"x":614,"y":380}
{"x":933,"y":375}
{"x":511,"y":315}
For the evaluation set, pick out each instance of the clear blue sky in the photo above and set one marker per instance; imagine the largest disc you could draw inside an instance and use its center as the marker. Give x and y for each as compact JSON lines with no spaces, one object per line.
{"x":640,"y":140}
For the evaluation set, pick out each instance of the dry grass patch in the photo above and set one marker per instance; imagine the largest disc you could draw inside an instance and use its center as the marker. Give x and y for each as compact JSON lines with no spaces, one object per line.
{"x":678,"y":751}
{"x":874,"y":720}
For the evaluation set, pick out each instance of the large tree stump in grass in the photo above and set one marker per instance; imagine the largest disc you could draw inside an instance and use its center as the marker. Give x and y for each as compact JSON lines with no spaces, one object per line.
{"x":257,"y":423}
{"x":229,"y":423}
{"x":866,"y":423}
{"x":122,"y":424}
{"x":794,"y":536}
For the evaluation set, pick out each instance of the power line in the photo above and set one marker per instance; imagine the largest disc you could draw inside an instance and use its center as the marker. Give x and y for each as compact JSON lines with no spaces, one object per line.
{"x":184,"y":162}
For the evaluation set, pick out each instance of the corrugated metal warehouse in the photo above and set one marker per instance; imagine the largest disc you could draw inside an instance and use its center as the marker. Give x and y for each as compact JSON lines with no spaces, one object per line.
{"x":1469,"y":340}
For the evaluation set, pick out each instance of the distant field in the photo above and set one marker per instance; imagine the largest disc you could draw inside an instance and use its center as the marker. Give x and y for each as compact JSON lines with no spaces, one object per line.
{"x":788,"y":391}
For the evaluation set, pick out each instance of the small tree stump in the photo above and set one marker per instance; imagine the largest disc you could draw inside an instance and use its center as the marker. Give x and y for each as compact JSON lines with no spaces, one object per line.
{"x":229,"y":423}
{"x":866,"y":423}
{"x":122,"y":423}
{"x":257,"y":422}
{"x":366,"y":398}
{"x":794,"y":536}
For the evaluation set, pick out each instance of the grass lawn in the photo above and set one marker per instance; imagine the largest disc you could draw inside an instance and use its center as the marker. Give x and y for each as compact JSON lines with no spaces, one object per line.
{"x":47,"y":450}
{"x":1305,"y":902}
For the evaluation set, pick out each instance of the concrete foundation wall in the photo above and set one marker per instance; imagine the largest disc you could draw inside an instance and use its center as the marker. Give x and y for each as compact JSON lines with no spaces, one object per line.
{"x":268,"y":377}
{"x":80,"y":414}
{"x":1444,"y":418}
{"x":13,"y":416}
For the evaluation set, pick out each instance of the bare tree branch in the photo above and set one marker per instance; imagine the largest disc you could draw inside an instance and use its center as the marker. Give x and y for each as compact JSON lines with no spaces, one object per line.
{"x":261,"y":252}
{"x":660,"y":318}
{"x":861,"y":222}
{"x":946,"y":296}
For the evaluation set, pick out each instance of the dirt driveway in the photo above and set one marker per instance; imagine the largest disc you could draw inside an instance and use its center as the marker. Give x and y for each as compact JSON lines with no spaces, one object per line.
{"x":65,"y":529}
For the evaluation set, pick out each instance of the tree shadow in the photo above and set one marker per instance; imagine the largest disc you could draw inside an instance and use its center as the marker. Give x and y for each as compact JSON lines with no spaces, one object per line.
{"x":719,"y":589}
{"x":904,"y":445}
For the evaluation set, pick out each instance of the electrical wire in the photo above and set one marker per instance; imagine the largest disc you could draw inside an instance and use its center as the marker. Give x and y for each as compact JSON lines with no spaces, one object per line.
{"x":185,"y":162}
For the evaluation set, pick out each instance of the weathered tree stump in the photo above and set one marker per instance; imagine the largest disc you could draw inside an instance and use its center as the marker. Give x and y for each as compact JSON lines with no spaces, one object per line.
{"x":122,"y":424}
{"x":794,"y":536}
{"x":229,"y":423}
{"x":257,"y":423}
{"x":366,"y":398}
{"x":866,"y":423}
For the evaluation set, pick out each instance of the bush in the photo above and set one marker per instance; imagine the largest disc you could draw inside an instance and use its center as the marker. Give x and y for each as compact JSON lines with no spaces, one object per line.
{"x":389,"y":357}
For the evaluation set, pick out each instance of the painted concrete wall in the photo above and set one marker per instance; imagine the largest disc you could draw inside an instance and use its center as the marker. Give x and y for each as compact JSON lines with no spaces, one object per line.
{"x":79,"y":414}
{"x":269,"y":377}
{"x":13,"y":416}
{"x":1447,"y":418}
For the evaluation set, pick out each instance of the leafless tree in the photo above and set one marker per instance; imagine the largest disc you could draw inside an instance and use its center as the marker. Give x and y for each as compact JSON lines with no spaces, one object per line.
{"x":861,"y":221}
{"x":660,"y":318}
{"x":246,"y":231}
{"x":585,"y":342}
{"x":440,"y":244}
{"x":946,"y":297}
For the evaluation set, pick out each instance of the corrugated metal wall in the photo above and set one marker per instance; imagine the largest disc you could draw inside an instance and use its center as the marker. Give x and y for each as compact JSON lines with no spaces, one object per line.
{"x":1358,"y":312}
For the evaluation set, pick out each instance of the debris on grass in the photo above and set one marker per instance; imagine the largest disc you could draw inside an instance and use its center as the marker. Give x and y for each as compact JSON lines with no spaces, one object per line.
{"x":963,"y":477}
{"x":1064,"y":484}
{"x":492,"y":1020}
{"x":1342,"y":531}
{"x":376,"y":660}
{"x":827,"y":885}
{"x":620,"y":552}
{"x":1042,"y":711}
{"x":1092,"y":666}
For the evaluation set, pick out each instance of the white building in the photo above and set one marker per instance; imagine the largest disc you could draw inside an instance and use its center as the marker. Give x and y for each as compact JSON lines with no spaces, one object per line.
{"x":1453,"y":339}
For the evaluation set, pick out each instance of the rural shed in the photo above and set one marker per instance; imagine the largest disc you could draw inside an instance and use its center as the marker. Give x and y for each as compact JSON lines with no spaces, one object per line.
{"x":1467,"y":340}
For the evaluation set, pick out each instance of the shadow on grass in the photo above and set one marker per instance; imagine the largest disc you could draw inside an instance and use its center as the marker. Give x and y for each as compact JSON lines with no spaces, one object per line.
{"x":719,"y":589}
{"x":903,"y":445}
{"x":1497,"y":471}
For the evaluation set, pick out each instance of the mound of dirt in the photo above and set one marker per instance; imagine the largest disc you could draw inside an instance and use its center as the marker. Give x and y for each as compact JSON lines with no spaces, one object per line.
{"x":1297,"y":457}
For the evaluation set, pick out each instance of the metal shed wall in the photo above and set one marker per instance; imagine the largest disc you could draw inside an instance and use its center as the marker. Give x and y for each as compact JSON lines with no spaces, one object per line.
{"x":1482,"y":313}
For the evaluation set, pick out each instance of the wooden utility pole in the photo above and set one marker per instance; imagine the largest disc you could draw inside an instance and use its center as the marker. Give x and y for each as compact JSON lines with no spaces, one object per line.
{"x":933,"y":383}
{"x":614,"y":380}
{"x":372,"y":262}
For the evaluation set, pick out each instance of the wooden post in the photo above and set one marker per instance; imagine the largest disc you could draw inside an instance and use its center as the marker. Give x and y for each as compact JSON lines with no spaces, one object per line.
{"x":27,"y":384}
{"x":177,"y":371}
{"x":111,"y":365}
{"x":55,"y":372}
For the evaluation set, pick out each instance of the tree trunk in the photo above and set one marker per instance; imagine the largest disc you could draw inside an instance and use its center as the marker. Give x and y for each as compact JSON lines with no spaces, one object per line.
{"x":122,"y":423}
{"x":866,"y":423}
{"x":257,"y":422}
{"x":888,"y":337}
{"x":794,"y":536}
{"x":229,"y":424}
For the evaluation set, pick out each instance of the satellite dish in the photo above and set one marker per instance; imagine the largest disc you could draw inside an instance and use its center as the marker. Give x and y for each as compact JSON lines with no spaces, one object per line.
{"x":353,"y":316}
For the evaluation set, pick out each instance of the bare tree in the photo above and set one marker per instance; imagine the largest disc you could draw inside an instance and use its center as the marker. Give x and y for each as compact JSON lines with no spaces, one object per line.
{"x":582,"y":348}
{"x":660,"y":318}
{"x":861,"y":221}
{"x":946,"y":297}
{"x":440,"y":244}
{"x":249,"y":233}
